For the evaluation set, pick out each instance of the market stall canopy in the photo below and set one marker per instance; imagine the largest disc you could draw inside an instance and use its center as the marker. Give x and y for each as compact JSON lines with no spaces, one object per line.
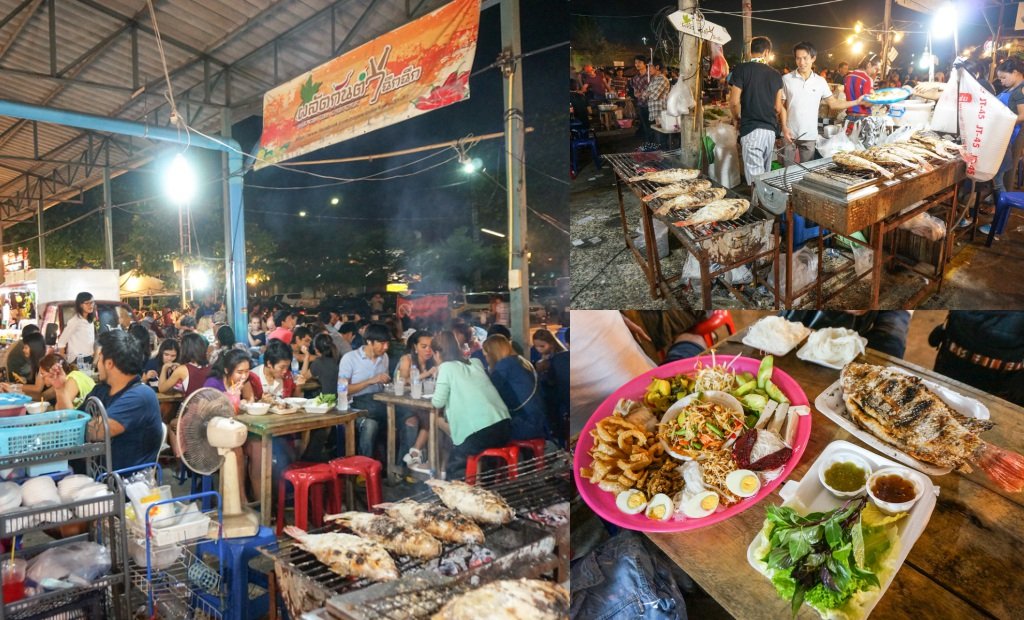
{"x":134,"y":284}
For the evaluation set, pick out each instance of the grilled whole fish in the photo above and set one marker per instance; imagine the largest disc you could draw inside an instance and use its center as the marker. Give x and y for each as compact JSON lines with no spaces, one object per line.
{"x":692,"y":200}
{"x":671,"y":175}
{"x":905,"y":153}
{"x":678,"y":189}
{"x":901,"y":410}
{"x":849,"y":160}
{"x":522,"y":599}
{"x":436,"y":520}
{"x":718,"y":211}
{"x":478,"y":504}
{"x":933,"y":142}
{"x":919,"y":149}
{"x":394,"y":535}
{"x":347,"y":555}
{"x":884,"y":157}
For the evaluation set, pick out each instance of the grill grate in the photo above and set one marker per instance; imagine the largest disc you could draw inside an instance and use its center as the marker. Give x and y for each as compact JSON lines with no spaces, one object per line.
{"x":628,"y":165}
{"x":540,"y":482}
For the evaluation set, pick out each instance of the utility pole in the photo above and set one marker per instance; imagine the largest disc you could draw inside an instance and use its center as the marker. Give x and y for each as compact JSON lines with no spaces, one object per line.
{"x":995,"y":46}
{"x":689,"y":70}
{"x":108,"y":239}
{"x":515,"y":179}
{"x":747,"y":30}
{"x":887,"y":38}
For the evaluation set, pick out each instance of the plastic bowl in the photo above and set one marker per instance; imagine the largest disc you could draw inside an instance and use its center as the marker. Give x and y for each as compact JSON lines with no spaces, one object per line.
{"x":844,"y":457}
{"x":722,"y":398}
{"x":257,"y":408}
{"x":40,"y":407}
{"x":889,"y":507}
{"x":625,"y":123}
{"x":296,"y":402}
{"x":312,"y":408}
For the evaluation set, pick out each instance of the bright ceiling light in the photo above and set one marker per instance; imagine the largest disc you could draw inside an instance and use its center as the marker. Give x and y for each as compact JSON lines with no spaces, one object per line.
{"x":492,"y":232}
{"x":944,"y":21}
{"x":898,"y":37}
{"x":302,"y":214}
{"x":858,"y":27}
{"x":180,"y":181}
{"x":200,"y":279}
{"x":857,"y":48}
{"x":926,"y":60}
{"x":335,"y":201}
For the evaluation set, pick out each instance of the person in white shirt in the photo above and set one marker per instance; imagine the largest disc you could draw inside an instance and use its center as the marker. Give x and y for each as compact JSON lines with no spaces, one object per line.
{"x":79,"y":335}
{"x":803,"y":91}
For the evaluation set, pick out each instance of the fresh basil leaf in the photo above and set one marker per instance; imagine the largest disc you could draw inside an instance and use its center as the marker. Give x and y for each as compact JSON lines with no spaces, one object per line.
{"x":798,"y":598}
{"x":833,"y":533}
{"x":827,"y":581}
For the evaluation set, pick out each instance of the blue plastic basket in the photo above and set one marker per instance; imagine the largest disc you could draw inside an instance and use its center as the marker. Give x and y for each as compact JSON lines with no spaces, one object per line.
{"x":42,"y":432}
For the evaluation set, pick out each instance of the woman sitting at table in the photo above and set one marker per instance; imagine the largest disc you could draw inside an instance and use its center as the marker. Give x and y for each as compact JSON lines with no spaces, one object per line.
{"x":257,"y":335}
{"x":519,"y":387}
{"x":77,"y":384}
{"x":189,"y":373}
{"x":204,"y":327}
{"x":34,"y":348}
{"x":229,"y":375}
{"x":476,"y":417}
{"x":420,"y":356}
{"x":167,"y":353}
{"x":225,"y":342}
{"x":325,"y":370}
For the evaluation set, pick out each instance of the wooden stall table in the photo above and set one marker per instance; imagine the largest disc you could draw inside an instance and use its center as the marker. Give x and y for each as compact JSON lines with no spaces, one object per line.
{"x":271,"y":425}
{"x":388,"y":397}
{"x":966,"y":564}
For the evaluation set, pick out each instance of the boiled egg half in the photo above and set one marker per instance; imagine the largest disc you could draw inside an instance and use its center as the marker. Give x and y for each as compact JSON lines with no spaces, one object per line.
{"x":701,"y":505}
{"x":660,"y":507}
{"x":743,"y":483}
{"x":631,"y":502}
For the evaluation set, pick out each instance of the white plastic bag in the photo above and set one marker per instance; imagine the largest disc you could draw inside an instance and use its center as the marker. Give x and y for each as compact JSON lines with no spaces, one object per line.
{"x":680,"y":100}
{"x":863,"y":259}
{"x":79,"y":562}
{"x":838,"y":143}
{"x":944,"y":116}
{"x":660,"y":236}
{"x":985,"y":127}
{"x":725,"y":170}
{"x":925,"y":225}
{"x":805,"y":269}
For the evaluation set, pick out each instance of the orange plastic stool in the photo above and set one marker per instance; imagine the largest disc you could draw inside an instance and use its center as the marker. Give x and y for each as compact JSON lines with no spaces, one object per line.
{"x":367,"y":468}
{"x":717,"y":319}
{"x":303,"y":476}
{"x":510,"y":454}
{"x":535,"y":446}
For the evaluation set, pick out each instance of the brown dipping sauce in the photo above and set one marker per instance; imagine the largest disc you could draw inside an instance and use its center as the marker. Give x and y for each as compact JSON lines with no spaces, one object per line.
{"x":893,"y":489}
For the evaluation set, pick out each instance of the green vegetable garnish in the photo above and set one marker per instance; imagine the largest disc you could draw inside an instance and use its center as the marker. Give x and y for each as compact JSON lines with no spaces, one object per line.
{"x":754,"y":402}
{"x":764,"y":371}
{"x":774,"y":392}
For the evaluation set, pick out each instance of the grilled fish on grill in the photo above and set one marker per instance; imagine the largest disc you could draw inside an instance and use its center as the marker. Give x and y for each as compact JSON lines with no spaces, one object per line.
{"x":671,"y":175}
{"x":933,"y":142}
{"x":692,"y":201}
{"x":678,"y":189}
{"x":718,"y":211}
{"x":900,"y":409}
{"x":849,"y":160}
{"x":478,"y":504}
{"x":905,"y":153}
{"x":436,"y":520}
{"x":885,"y":157}
{"x":347,"y":555}
{"x":523,"y":599}
{"x":394,"y":535}
{"x":919,"y":149}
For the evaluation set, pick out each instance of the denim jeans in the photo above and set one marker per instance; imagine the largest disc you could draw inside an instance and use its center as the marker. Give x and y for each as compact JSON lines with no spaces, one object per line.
{"x":620,"y":580}
{"x":368,"y":426}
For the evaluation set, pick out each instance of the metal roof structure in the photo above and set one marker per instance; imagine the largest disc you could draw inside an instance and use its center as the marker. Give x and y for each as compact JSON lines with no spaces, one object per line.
{"x":100,"y":57}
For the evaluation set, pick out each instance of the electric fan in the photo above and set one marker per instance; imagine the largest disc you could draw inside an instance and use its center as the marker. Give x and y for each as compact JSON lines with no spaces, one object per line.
{"x":206,"y":436}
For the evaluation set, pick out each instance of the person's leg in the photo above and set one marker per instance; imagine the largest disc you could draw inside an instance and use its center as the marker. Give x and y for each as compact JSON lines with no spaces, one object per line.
{"x":645,"y":123}
{"x":366,"y":436}
{"x":807,"y":150}
{"x":757,"y":153}
{"x":998,"y":187}
{"x":790,"y":153}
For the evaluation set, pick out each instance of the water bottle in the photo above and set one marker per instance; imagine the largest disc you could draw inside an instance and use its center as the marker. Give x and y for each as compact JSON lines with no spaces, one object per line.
{"x":417,"y":386}
{"x":342,"y":395}
{"x":295,"y":365}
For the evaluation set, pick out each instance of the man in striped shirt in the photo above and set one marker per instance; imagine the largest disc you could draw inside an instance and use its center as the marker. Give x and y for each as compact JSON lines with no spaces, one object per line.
{"x":860,"y":82}
{"x":639,"y":83}
{"x":755,"y":100}
{"x":657,"y":96}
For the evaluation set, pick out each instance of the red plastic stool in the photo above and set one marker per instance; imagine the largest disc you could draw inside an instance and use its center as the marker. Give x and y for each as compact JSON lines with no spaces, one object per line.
{"x":717,"y":319}
{"x":302,"y":476}
{"x":367,"y":468}
{"x":535,"y":446}
{"x":510,"y":454}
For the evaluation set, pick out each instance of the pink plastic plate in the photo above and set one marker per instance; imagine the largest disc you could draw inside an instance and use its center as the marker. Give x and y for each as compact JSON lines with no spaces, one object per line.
{"x":603,"y":502}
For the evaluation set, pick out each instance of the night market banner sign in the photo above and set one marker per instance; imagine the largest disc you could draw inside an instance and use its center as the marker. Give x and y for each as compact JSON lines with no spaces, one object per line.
{"x":422,"y":66}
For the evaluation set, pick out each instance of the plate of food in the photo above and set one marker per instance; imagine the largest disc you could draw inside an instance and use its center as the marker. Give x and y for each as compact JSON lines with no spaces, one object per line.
{"x":283,"y":408}
{"x":917,"y":422}
{"x":836,"y":551}
{"x":775,"y":335}
{"x":706,"y":460}
{"x":833,"y":347}
{"x":885,"y":96}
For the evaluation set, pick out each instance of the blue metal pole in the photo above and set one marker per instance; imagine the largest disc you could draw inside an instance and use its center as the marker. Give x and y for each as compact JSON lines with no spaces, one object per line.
{"x":235,"y":275}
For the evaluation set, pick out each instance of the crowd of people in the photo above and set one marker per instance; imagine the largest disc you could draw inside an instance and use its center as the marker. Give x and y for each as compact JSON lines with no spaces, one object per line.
{"x":490,"y":388}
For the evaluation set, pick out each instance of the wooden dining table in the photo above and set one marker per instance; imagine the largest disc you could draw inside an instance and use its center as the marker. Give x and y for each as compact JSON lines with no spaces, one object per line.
{"x":968,"y":562}
{"x":389,"y":398}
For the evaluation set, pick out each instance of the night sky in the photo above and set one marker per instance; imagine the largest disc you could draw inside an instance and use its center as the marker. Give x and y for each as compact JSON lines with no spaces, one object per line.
{"x":627,"y":22}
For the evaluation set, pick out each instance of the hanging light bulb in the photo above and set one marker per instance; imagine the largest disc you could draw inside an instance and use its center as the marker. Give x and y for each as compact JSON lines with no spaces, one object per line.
{"x":858,"y":27}
{"x":898,"y":37}
{"x":857,"y":48}
{"x":180,"y":180}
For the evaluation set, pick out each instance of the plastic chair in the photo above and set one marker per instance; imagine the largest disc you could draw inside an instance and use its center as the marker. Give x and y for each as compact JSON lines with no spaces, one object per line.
{"x":803,"y":231}
{"x":238,"y":552}
{"x":1007,"y":201}
{"x":582,"y":140}
{"x":717,"y":319}
{"x":510,"y":454}
{"x":304,"y":476}
{"x":367,"y":468}
{"x":535,"y":446}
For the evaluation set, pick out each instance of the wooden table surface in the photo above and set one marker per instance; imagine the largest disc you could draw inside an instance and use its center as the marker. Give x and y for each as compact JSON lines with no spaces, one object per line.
{"x":967,"y":563}
{"x":389,"y":398}
{"x":273,"y":425}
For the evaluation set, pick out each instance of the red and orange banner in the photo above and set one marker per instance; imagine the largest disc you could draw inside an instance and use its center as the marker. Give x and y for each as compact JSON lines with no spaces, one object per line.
{"x":423,"y":307}
{"x":422,"y":66}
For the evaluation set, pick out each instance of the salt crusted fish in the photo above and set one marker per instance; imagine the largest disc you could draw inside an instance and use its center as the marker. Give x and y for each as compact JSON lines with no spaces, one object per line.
{"x":692,"y":200}
{"x":478,"y":504}
{"x":522,"y":599}
{"x":849,"y":160}
{"x":394,"y":535}
{"x":347,"y":555}
{"x":718,"y":211}
{"x":678,"y":189}
{"x":899,"y":409}
{"x":436,"y":520}
{"x":671,"y":175}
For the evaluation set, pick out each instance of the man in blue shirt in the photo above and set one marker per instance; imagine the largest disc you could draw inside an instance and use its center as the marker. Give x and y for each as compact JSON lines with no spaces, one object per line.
{"x":366,"y":371}
{"x":132,"y":408}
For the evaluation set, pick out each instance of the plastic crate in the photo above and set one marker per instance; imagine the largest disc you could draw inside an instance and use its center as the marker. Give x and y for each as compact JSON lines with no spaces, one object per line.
{"x":42,"y":432}
{"x":171,"y":534}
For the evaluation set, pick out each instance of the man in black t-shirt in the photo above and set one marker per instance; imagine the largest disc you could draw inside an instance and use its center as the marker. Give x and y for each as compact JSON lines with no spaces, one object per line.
{"x":755,"y":99}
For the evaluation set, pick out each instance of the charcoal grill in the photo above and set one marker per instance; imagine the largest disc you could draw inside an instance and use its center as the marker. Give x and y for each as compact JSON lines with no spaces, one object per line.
{"x":719,"y":247}
{"x":527,"y":546}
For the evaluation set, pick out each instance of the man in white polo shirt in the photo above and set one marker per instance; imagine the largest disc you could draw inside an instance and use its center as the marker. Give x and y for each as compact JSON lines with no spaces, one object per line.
{"x":804,"y":91}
